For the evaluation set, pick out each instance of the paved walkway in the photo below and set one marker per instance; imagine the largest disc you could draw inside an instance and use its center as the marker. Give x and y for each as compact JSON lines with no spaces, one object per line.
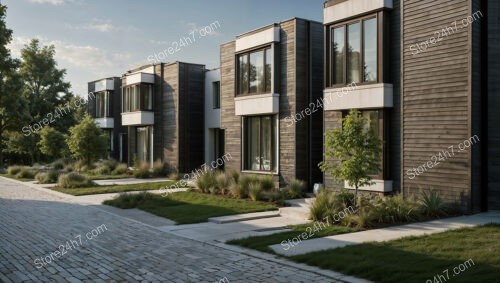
{"x":35,"y":225}
{"x":387,"y":234}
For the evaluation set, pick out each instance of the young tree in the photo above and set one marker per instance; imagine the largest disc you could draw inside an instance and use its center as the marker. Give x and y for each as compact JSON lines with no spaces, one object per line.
{"x":12,"y":105}
{"x":87,"y":141}
{"x":352,"y":152}
{"x":52,"y":142}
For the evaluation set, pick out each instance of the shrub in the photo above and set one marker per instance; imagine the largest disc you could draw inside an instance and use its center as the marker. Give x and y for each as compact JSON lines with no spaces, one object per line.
{"x":48,"y":177}
{"x":25,"y":173}
{"x":318,"y":206}
{"x":246,"y":180}
{"x":223,"y":182}
{"x":267,"y":183}
{"x":81,"y":166}
{"x":431,"y":204}
{"x":120,"y":169}
{"x":205,"y":181}
{"x":395,"y":209}
{"x":159,"y":169}
{"x":213,"y":190}
{"x":296,"y":189}
{"x":255,"y":191}
{"x":277,"y":196}
{"x":238,"y":191}
{"x":13,"y":170}
{"x":74,"y":180}
{"x":58,"y":164}
{"x":142,"y":171}
{"x":328,"y":204}
{"x":236,"y":176}
{"x":130,"y":200}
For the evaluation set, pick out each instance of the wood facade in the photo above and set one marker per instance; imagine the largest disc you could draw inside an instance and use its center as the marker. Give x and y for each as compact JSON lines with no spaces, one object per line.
{"x":298,"y":80}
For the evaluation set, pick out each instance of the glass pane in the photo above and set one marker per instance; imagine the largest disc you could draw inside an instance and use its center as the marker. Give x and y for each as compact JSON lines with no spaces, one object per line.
{"x":252,"y":143}
{"x":242,"y":74}
{"x":267,"y":143}
{"x":268,"y":75}
{"x":370,"y":50}
{"x":257,"y":72}
{"x":354,"y":53}
{"x":216,"y":94}
{"x":338,"y":56}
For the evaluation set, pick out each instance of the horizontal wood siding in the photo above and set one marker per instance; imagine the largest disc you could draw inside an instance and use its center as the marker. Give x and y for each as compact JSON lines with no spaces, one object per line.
{"x":395,"y":79}
{"x":436,"y":98}
{"x":332,"y":120}
{"x":229,"y":121}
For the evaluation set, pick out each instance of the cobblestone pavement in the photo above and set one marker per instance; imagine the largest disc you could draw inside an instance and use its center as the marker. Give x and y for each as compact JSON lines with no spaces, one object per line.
{"x":34,"y":225}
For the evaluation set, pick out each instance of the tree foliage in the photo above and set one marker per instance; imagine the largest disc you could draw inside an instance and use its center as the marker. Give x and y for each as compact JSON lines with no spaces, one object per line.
{"x":87,"y":141}
{"x":353,"y":152}
{"x":52,"y":142}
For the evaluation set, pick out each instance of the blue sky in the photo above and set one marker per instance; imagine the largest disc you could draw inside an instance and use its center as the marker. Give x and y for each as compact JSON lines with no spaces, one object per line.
{"x":101,"y":38}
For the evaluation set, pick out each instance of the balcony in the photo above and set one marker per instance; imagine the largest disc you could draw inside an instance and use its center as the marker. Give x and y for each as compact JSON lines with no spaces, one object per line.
{"x":138,"y":118}
{"x":105,"y":123}
{"x":103,"y":85}
{"x":139,"y":78}
{"x":257,"y":104}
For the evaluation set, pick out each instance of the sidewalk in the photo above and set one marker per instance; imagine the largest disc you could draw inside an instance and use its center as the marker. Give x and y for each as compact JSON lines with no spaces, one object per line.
{"x":390,"y":233}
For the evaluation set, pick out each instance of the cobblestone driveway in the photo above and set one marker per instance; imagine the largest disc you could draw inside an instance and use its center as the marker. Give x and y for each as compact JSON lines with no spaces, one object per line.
{"x":34,"y":224}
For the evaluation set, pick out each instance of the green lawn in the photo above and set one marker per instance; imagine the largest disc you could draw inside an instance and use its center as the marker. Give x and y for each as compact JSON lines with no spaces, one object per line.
{"x":419,"y":259}
{"x":114,"y":189}
{"x":192,"y":207}
{"x":313,"y":230}
{"x":14,"y":177}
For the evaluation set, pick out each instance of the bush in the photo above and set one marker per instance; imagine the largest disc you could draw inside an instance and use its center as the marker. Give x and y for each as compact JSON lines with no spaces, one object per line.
{"x":223,"y":182}
{"x":81,"y":166}
{"x":159,"y":169}
{"x":74,"y":180}
{"x":129,"y":200}
{"x":58,"y":164}
{"x":120,"y":169}
{"x":255,"y":191}
{"x":277,"y":196}
{"x":142,"y":171}
{"x":48,"y":177}
{"x":296,"y":189}
{"x":267,"y":183}
{"x":431,"y":204}
{"x":395,"y":209}
{"x":13,"y":170}
{"x":205,"y":181}
{"x":238,"y":191}
{"x":246,"y":180}
{"x":236,"y":176}
{"x":25,"y":173}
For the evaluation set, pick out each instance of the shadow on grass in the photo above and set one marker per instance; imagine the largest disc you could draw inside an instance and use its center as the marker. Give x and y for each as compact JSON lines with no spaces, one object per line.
{"x":381,"y":263}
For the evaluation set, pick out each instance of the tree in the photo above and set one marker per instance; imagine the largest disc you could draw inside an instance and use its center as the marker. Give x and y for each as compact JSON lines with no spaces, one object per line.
{"x":52,"y":142}
{"x":12,"y":105}
{"x":352,"y":152}
{"x":87,"y":141}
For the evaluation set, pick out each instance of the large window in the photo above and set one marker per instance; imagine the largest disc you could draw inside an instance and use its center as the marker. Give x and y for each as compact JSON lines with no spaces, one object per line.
{"x":216,"y":94}
{"x":137,"y":97}
{"x":254,"y":72}
{"x":377,"y":121}
{"x":103,"y":104}
{"x":354,"y":49}
{"x":143,"y":144}
{"x":260,"y":143}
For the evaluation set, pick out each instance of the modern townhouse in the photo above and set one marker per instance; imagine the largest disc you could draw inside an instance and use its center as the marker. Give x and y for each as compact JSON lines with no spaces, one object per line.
{"x":268,"y":76}
{"x":104,"y":100}
{"x":163,"y":109}
{"x":426,"y":74}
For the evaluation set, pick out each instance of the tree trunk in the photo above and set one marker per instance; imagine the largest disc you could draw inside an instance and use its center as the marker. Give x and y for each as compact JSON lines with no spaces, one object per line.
{"x":355,"y":194}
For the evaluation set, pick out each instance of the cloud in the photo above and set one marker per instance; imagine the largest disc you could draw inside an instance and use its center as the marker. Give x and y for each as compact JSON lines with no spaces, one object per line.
{"x":211,"y":29}
{"x":101,"y":26}
{"x":53,"y":2}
